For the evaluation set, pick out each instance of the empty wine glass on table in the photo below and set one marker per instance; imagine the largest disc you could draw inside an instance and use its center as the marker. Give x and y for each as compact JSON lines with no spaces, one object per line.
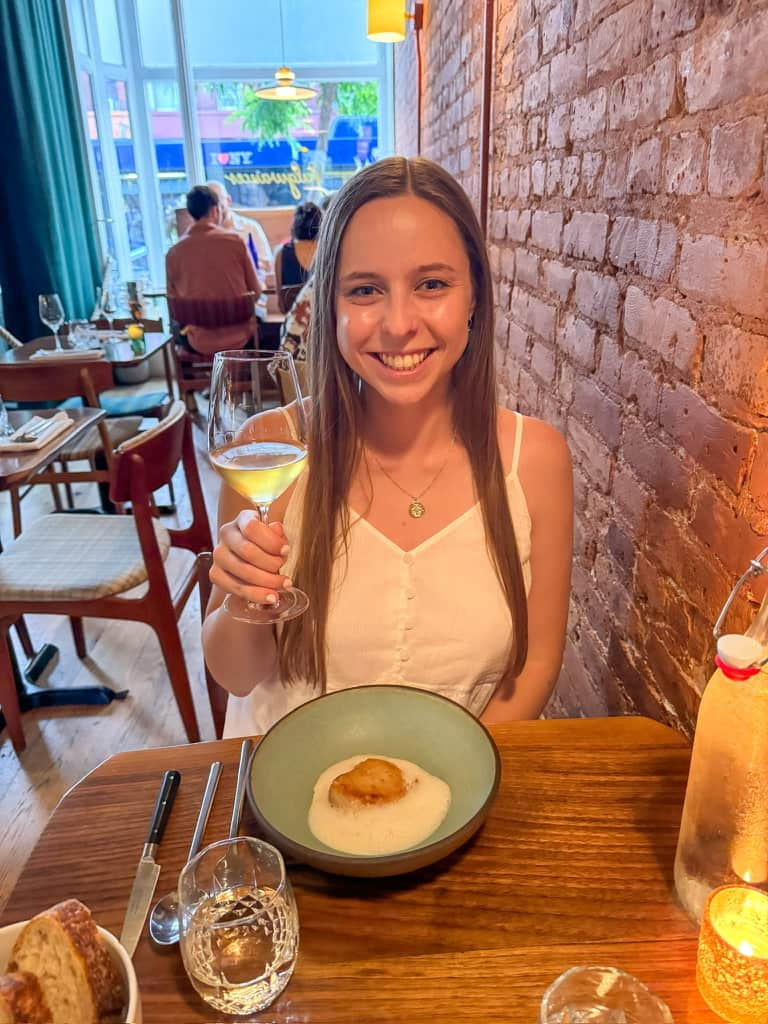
{"x":259,"y":447}
{"x":51,"y":313}
{"x":601,"y":995}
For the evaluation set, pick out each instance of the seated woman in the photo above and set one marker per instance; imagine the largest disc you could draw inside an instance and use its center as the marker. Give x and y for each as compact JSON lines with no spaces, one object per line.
{"x":295,"y":328}
{"x":432,"y":530}
{"x":293,"y":260}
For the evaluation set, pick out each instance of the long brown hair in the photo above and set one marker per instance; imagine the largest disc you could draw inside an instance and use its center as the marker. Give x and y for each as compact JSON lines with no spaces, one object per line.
{"x":335,"y":431}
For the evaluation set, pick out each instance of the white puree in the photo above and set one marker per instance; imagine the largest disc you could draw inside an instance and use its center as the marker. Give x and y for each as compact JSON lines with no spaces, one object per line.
{"x":388,"y":828}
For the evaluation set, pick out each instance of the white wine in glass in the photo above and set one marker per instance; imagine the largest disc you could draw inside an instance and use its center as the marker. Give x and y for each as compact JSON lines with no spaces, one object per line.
{"x":259,"y":447}
{"x":51,"y":312}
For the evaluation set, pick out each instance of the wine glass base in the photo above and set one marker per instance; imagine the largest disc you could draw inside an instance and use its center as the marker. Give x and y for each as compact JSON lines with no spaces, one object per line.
{"x":290,"y":604}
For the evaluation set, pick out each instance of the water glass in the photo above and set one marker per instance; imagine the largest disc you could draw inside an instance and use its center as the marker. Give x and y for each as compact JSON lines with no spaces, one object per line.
{"x":78,"y":333}
{"x":601,"y":995}
{"x":51,"y":312}
{"x":239,"y":925}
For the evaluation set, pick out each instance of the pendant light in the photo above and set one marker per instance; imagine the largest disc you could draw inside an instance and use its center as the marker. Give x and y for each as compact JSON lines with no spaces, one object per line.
{"x":285,"y":78}
{"x":386,"y":21}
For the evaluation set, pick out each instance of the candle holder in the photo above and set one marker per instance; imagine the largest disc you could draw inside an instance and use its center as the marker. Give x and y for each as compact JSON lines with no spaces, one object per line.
{"x":732,"y":963}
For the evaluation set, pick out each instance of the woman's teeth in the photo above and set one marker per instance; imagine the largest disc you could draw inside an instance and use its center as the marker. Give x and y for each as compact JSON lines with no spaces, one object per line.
{"x":406,"y":362}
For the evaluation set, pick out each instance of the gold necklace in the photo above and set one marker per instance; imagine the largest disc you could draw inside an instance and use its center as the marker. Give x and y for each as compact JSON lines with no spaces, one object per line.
{"x":416,"y":508}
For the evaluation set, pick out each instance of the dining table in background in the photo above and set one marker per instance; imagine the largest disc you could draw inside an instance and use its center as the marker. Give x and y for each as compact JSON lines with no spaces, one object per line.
{"x":17,"y":468}
{"x":573,"y":866}
{"x":120,"y":353}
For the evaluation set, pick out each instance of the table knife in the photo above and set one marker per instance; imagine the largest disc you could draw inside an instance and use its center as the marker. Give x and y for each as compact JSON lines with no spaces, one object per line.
{"x":148,"y":871}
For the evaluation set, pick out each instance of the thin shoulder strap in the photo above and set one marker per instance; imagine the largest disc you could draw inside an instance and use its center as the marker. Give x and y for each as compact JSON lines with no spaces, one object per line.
{"x":518,"y":442}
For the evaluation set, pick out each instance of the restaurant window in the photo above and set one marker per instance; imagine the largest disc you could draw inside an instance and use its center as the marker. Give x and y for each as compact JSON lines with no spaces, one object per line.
{"x":169,"y":120}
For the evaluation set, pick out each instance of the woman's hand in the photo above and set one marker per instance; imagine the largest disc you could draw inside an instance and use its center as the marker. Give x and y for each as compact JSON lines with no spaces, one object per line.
{"x":248,"y":558}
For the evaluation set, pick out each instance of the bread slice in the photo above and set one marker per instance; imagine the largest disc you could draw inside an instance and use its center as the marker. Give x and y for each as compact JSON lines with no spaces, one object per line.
{"x":63,"y":949}
{"x":21,"y":1000}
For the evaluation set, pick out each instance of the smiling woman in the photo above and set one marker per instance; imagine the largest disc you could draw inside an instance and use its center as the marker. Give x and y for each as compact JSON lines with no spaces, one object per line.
{"x":432,"y":531}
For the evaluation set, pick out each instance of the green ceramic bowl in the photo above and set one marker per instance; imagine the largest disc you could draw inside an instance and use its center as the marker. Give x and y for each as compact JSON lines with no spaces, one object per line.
{"x":393,"y":721}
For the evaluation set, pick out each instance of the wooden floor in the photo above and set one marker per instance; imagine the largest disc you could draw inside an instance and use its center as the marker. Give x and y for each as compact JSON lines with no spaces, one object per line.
{"x":64,"y":744}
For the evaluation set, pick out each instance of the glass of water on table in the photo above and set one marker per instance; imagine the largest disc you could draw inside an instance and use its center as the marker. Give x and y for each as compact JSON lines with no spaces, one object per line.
{"x":239,"y":925}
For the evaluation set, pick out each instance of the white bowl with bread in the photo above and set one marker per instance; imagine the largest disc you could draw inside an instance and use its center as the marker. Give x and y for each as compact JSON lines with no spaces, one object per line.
{"x":62,"y":968}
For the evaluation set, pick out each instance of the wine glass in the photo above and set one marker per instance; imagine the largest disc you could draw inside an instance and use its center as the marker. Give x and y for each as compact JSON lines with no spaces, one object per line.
{"x":259,"y":447}
{"x":51,"y":313}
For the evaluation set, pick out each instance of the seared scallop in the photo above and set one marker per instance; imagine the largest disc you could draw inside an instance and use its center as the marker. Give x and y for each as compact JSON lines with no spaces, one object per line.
{"x":371,"y":783}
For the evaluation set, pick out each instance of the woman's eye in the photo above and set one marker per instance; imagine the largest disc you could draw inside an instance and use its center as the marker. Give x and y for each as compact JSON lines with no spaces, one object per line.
{"x":363,"y":291}
{"x":433,"y":284}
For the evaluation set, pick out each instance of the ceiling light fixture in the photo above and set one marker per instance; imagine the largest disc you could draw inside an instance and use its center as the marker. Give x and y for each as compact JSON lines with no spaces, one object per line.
{"x":387,"y":18}
{"x":285,"y":78}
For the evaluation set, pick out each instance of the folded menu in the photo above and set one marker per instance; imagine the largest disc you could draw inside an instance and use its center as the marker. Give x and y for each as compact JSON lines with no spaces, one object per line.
{"x":68,"y":353}
{"x":35,"y":433}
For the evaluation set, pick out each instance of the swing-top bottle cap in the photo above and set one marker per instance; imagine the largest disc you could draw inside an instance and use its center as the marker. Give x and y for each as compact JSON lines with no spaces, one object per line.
{"x":738,"y":651}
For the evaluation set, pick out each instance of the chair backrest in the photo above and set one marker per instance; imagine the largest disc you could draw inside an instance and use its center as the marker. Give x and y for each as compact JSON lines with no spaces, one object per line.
{"x":211,"y":313}
{"x":8,"y":340}
{"x":285,"y":381}
{"x":56,"y":380}
{"x":147,"y":462}
{"x":288,"y":295}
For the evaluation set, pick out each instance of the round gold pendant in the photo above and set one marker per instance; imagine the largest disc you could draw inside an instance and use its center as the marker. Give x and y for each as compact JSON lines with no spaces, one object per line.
{"x":416,"y":510}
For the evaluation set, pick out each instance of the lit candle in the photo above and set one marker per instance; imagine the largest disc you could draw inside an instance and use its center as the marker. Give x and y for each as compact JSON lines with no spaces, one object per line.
{"x":732,"y":965}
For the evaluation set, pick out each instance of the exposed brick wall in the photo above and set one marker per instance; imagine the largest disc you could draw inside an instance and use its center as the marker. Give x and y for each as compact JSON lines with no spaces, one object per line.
{"x":628,"y":231}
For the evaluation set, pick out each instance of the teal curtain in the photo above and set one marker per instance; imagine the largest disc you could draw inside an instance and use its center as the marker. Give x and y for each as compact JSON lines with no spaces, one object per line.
{"x":48,"y":232}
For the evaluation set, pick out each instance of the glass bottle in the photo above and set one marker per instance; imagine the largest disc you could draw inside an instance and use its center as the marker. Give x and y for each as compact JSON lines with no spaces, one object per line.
{"x":724,"y":829}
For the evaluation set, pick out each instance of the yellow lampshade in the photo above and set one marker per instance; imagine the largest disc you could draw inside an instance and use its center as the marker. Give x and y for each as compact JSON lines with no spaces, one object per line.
{"x":386,"y":21}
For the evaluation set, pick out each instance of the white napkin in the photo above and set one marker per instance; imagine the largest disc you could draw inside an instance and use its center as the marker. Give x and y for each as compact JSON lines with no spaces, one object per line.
{"x":68,"y":353}
{"x":55,"y":425}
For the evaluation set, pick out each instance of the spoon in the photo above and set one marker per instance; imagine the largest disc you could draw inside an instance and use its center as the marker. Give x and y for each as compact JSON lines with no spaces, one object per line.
{"x":164,"y":919}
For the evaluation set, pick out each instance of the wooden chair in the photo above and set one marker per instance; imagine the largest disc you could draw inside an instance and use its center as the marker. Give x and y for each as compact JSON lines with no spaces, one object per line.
{"x":84,"y":565}
{"x":193,"y":369}
{"x":55,"y":382}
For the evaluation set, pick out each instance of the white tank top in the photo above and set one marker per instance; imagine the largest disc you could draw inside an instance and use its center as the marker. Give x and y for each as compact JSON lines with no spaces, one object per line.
{"x":434,"y":617}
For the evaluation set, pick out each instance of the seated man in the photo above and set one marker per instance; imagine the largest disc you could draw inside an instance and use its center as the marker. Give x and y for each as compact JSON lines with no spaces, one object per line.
{"x":211,"y":263}
{"x":252,"y":233}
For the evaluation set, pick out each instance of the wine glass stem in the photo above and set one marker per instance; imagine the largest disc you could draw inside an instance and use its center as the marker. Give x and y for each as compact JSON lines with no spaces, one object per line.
{"x":56,"y":341}
{"x":262,"y":510}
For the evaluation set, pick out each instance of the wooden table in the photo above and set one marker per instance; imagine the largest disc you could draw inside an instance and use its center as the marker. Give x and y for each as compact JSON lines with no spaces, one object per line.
{"x":120,"y":355}
{"x":573,"y":866}
{"x":18,"y":467}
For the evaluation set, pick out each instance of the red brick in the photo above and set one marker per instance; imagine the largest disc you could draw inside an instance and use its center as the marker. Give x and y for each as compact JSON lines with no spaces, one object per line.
{"x":547,"y":230}
{"x":726,"y":65}
{"x":585,"y":236}
{"x":758,"y":480}
{"x":555,"y":25}
{"x":735,"y":158}
{"x":577,"y":338}
{"x":543,"y":362}
{"x":678,"y":688}
{"x":645,"y":246}
{"x":614,"y":42}
{"x":554,"y":176}
{"x":726,"y":272}
{"x":527,"y":52}
{"x":518,"y":225}
{"x":538,"y":177}
{"x":498,"y":225}
{"x":536,"y":89}
{"x":590,"y":454}
{"x":657,"y":466}
{"x":507,"y":264}
{"x":590,"y":403}
{"x":629,"y":375}
{"x":527,"y":268}
{"x":737,"y":362}
{"x":663,"y":326}
{"x":597,"y":297}
{"x":557,"y":126}
{"x":517,"y":343}
{"x":571,"y":168}
{"x":524,"y":188}
{"x":615,"y":174}
{"x":630,"y":496}
{"x":718,"y":445}
{"x":671,"y":18}
{"x":645,"y":98}
{"x":588,"y":115}
{"x":591,"y":166}
{"x":568,"y":71}
{"x":534,"y":132}
{"x":644,"y":172}
{"x":538,"y":315}
{"x":641,"y":690}
{"x":684,"y":169}
{"x":724,"y":531}
{"x":528,"y":394}
{"x":558,"y":280}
